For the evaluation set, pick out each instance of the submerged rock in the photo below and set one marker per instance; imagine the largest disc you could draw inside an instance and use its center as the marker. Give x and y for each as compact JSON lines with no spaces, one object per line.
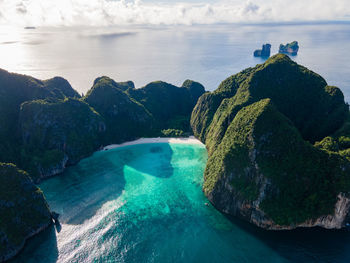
{"x":289,"y":48}
{"x":259,"y":126}
{"x":264,"y":52}
{"x":55,"y":216}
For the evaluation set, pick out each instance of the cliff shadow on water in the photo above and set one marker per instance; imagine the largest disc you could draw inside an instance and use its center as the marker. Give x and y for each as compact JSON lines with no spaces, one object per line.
{"x":47,"y":240}
{"x":302,"y":244}
{"x":83,"y":189}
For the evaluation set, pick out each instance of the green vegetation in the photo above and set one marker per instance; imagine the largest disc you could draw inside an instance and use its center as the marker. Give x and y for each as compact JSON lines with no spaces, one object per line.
{"x":52,"y":130}
{"x":14,"y":90}
{"x":46,"y":125}
{"x":61,"y":88}
{"x":23,"y":209}
{"x":259,"y":127}
{"x":339,"y":142}
{"x":170,"y":106}
{"x":290,"y":48}
{"x":318,"y":110}
{"x":125,"y":118}
{"x":172,"y":133}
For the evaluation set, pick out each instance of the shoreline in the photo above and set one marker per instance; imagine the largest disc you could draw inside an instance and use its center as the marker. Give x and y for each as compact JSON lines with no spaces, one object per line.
{"x":180,"y":140}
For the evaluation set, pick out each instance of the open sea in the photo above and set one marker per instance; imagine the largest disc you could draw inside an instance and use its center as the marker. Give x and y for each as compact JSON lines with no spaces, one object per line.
{"x":205,"y":53}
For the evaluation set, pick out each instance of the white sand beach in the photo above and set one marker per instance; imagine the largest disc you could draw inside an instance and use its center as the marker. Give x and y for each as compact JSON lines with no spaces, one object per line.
{"x":182,"y":140}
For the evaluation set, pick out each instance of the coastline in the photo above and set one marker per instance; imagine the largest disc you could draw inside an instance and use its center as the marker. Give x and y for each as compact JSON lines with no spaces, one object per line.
{"x":180,"y":140}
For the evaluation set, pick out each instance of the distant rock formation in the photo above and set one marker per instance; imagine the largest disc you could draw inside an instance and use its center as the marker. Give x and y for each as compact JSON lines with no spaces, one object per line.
{"x":264,"y":52}
{"x":289,"y":48}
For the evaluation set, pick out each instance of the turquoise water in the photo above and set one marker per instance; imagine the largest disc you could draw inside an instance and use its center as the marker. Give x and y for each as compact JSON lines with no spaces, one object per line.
{"x":144,"y":203}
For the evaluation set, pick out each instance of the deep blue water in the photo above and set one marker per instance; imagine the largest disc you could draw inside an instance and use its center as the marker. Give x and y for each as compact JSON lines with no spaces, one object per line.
{"x":206,"y":53}
{"x":144,"y":203}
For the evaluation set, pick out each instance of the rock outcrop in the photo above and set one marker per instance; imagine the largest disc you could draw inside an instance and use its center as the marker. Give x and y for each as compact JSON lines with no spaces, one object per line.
{"x":14,"y":90}
{"x":171,"y":106}
{"x":259,"y":127}
{"x":264,"y":52}
{"x":125,"y":118}
{"x":23,"y":210}
{"x":56,"y":134}
{"x":289,"y":48}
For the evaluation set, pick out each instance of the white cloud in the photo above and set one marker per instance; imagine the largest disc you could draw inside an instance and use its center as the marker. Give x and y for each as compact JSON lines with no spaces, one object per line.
{"x":122,"y":12}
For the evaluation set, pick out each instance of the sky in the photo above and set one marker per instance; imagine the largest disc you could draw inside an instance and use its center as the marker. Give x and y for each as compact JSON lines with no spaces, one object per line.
{"x":169,"y":12}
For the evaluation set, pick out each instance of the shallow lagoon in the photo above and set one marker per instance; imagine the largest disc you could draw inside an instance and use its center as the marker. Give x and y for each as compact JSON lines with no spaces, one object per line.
{"x":143,"y":203}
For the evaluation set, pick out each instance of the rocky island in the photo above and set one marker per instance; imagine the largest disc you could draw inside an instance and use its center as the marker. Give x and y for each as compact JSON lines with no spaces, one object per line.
{"x":264,"y":52}
{"x":290,"y":48}
{"x":278,"y":142}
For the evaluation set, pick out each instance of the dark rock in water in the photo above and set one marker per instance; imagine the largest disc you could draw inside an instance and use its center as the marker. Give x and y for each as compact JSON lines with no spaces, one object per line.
{"x":55,"y":216}
{"x":264,"y":52}
{"x":290,"y":48}
{"x":260,"y":127}
{"x":23,"y":210}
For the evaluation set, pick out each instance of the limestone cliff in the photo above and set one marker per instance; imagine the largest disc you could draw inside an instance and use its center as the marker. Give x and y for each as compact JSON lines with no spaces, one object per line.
{"x":289,"y":48}
{"x":56,"y":133}
{"x":125,"y":118}
{"x":23,"y":210}
{"x":259,"y":127}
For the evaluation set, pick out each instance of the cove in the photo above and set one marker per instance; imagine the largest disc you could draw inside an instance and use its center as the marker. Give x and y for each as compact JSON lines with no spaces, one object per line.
{"x":144,"y":203}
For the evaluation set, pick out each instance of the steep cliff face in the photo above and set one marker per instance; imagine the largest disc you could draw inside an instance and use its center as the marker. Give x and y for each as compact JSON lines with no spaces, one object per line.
{"x":60,"y":130}
{"x":264,"y":52}
{"x":57,"y":133}
{"x":316,"y":109}
{"x":23,"y":210}
{"x":14,"y":90}
{"x":125,"y":118}
{"x":262,"y":166}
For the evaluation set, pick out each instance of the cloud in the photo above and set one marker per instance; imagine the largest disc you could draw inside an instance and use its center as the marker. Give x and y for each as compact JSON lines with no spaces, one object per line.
{"x":122,"y":12}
